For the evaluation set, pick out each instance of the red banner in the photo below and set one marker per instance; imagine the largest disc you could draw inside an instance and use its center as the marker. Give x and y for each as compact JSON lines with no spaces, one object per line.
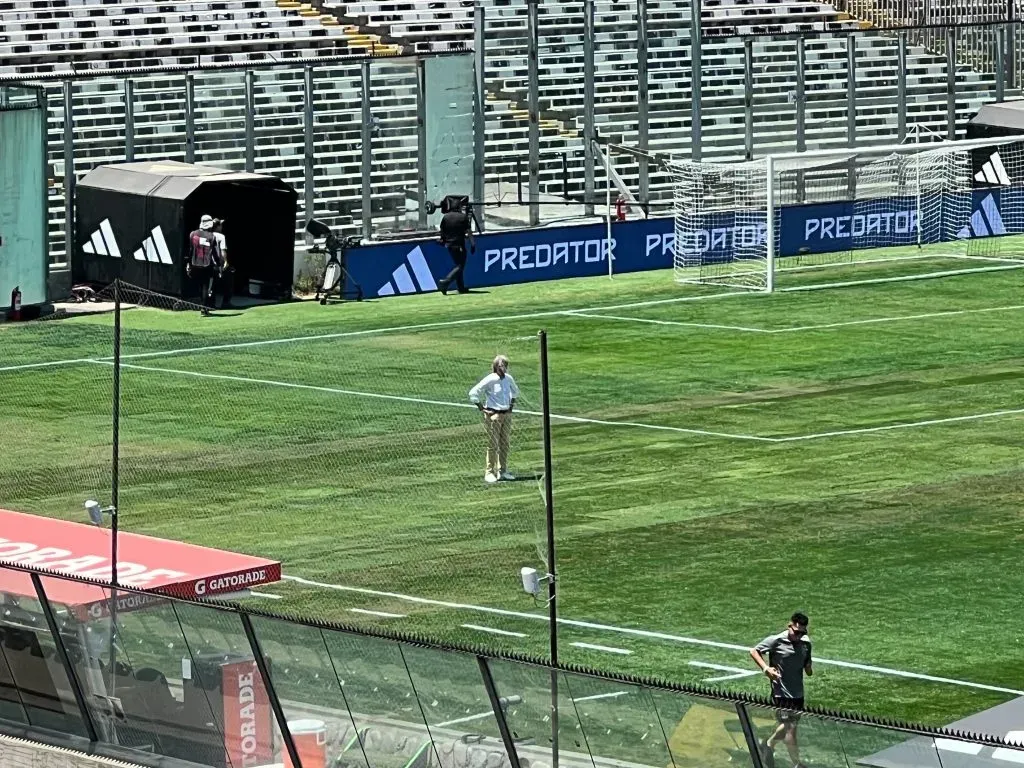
{"x":248,"y":720}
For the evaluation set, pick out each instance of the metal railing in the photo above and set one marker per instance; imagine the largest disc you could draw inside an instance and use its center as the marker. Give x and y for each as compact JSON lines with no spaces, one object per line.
{"x":186,"y":682}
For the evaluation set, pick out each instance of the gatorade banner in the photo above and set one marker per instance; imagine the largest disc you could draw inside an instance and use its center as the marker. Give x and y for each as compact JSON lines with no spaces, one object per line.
{"x":248,"y":719}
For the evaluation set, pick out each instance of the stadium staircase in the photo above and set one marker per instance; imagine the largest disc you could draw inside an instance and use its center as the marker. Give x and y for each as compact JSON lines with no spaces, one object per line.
{"x":72,"y":35}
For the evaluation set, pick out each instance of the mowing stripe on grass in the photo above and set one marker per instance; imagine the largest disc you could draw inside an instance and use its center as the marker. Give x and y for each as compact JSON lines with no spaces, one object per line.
{"x":578,"y":419}
{"x":898,"y":318}
{"x":644,"y":633}
{"x":426,"y":401}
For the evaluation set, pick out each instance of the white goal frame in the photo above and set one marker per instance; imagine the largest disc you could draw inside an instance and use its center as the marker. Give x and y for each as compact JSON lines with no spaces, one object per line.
{"x":772,"y":166}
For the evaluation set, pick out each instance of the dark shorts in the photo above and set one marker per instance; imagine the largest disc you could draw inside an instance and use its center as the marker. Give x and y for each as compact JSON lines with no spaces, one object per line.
{"x":783,"y":703}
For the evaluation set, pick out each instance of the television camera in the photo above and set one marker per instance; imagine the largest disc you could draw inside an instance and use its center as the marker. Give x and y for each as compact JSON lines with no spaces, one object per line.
{"x":335,"y":276}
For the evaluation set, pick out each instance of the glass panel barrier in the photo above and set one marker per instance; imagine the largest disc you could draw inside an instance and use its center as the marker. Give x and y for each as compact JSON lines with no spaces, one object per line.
{"x":30,"y":656}
{"x":395,"y":171}
{"x":135,"y":673}
{"x":383,"y":702}
{"x":220,"y":118}
{"x":701,"y":732}
{"x":527,"y":697}
{"x":620,"y":721}
{"x":310,"y":693}
{"x":160,"y":117}
{"x":224,"y":669}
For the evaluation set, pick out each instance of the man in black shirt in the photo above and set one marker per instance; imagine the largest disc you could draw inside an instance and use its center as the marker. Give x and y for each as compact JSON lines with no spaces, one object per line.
{"x":456,"y":228}
{"x":204,"y":261}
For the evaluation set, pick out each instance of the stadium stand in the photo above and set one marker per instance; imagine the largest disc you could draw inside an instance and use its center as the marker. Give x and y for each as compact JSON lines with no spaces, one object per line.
{"x":61,"y":35}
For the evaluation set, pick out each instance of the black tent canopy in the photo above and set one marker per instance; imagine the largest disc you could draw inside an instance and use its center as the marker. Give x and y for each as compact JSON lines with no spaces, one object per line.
{"x":133,"y":222}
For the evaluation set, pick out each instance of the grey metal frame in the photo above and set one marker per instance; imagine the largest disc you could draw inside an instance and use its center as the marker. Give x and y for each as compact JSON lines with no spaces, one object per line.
{"x":309,"y":144}
{"x":129,"y":120}
{"x":533,"y":107}
{"x":589,"y":127}
{"x":366,"y":137}
{"x":190,"y":118}
{"x":250,"y":121}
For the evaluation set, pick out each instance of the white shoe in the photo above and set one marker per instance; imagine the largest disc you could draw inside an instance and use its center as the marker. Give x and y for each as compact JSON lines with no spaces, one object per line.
{"x":507,"y":476}
{"x":490,"y":477}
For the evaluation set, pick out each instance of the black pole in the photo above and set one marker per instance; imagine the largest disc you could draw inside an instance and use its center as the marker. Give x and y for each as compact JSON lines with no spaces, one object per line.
{"x":275,"y":703}
{"x":65,"y":660}
{"x":519,"y":180}
{"x":499,"y":712}
{"x":749,"y":735}
{"x":549,"y":509}
{"x":115,"y":483}
{"x":565,"y":177}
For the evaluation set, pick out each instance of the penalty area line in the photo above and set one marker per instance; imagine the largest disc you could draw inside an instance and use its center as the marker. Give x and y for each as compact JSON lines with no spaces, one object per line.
{"x":649,"y":634}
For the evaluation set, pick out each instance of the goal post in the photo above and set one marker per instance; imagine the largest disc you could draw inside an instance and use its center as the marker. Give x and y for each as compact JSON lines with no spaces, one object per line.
{"x":794,"y":221}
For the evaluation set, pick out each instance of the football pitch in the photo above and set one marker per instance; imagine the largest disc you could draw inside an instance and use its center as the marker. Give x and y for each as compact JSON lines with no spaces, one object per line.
{"x":719,"y":462}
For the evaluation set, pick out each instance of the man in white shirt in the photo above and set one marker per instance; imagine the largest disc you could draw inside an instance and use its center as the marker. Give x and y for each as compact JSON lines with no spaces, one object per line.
{"x":495,"y":395}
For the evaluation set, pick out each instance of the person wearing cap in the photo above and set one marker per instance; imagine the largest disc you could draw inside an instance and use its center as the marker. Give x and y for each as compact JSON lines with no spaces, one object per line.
{"x":226,"y":276}
{"x":204,"y":260}
{"x":495,"y":395}
{"x":789,"y":659}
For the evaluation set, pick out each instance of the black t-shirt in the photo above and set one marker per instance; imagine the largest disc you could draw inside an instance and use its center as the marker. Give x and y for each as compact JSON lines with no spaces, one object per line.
{"x":455,"y":225}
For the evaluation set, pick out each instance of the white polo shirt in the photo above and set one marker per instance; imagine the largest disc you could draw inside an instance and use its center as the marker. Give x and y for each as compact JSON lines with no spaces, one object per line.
{"x":498,"y":392}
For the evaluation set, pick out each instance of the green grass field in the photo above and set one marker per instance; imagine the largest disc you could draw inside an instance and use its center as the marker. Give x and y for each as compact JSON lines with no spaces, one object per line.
{"x":853,"y":453}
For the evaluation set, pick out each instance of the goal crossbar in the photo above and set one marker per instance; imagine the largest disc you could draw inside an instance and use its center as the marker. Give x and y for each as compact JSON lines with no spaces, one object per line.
{"x":928,"y":186}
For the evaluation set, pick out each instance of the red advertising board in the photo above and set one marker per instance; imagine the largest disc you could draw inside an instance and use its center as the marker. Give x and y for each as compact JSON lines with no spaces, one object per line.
{"x":144,"y":562}
{"x":248,"y":724}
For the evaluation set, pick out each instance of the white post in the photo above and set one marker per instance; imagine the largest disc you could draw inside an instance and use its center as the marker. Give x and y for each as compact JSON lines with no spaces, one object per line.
{"x":608,"y":204}
{"x":769,"y":161}
{"x":917,"y":164}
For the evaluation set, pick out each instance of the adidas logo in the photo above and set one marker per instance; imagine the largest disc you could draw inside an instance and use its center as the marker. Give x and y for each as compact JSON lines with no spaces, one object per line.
{"x":993,"y":172}
{"x":985,"y":221}
{"x":102,"y":242}
{"x":402,"y":281}
{"x":154,"y":248}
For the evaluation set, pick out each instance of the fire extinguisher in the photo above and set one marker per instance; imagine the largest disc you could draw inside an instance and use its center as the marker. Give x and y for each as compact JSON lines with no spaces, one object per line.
{"x":16,"y":303}
{"x":620,"y":208}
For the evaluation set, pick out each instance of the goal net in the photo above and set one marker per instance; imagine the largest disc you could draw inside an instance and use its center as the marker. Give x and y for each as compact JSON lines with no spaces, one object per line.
{"x":875,"y":214}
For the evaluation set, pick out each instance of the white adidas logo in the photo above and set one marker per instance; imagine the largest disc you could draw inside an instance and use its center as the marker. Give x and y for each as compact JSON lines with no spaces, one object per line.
{"x":993,"y":172}
{"x":154,"y":248}
{"x":985,"y":221}
{"x":402,"y":282}
{"x":102,"y":242}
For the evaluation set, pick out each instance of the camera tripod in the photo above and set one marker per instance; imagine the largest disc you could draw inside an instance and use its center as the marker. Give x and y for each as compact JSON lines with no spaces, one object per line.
{"x":335,"y":276}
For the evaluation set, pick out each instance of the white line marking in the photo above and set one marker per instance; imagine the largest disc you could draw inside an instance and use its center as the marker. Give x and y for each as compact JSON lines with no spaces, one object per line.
{"x":613,"y":695}
{"x":723,"y":678}
{"x":899,"y":318}
{"x":720,"y":667}
{"x":372,"y":331}
{"x":605,"y":648}
{"x":736,"y":672}
{"x":644,"y":633}
{"x":266,"y":595}
{"x":466,"y":719}
{"x":901,"y":425}
{"x":668,"y":322}
{"x":385,"y":614}
{"x":494,"y":631}
{"x":426,"y":401}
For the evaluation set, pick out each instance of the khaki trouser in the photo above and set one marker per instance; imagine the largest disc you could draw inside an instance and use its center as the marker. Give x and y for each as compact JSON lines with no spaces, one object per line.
{"x":499,"y":429}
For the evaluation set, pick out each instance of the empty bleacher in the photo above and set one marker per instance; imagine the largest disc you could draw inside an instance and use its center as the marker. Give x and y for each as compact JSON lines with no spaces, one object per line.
{"x":65,"y":35}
